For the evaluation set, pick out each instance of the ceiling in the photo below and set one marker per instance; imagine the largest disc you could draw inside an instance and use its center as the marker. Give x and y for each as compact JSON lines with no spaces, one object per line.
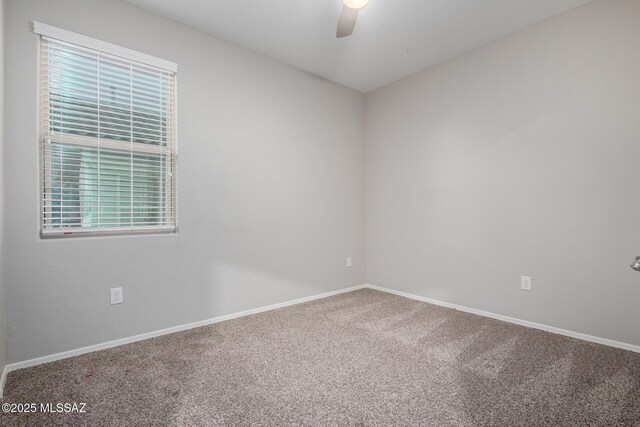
{"x":392,"y":39}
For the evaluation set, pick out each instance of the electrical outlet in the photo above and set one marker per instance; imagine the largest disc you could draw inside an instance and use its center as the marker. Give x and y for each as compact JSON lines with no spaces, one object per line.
{"x":525,"y":283}
{"x":349,"y":261}
{"x":116,"y":296}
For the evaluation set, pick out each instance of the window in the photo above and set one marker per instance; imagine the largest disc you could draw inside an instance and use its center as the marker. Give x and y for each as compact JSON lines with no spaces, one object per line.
{"x":108,"y":137}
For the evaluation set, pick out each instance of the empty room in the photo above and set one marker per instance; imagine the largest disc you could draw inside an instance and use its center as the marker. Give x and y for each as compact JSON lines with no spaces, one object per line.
{"x":320,"y":213}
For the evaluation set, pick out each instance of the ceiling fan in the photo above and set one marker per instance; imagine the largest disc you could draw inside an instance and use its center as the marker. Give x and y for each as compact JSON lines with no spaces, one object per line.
{"x":348,"y":16}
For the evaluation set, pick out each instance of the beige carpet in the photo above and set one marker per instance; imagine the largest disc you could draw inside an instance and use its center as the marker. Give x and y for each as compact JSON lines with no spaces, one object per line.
{"x":361,"y":358}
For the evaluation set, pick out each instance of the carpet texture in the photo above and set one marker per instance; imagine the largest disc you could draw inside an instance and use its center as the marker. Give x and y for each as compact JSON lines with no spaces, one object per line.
{"x":363,"y":358}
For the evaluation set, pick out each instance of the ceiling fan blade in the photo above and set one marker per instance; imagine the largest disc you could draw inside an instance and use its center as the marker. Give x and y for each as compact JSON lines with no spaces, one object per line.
{"x":346,"y":22}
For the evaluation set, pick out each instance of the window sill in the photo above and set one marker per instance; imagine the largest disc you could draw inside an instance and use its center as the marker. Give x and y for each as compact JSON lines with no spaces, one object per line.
{"x":93,"y":232}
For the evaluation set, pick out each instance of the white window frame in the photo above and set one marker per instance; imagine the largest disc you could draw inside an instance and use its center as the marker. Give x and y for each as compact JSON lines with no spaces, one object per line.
{"x":51,"y":32}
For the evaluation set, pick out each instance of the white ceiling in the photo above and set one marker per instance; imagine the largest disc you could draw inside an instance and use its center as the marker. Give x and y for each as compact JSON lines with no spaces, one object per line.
{"x":393,"y":38}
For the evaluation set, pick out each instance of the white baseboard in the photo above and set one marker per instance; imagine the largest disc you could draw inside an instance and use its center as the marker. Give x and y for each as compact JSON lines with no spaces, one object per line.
{"x":116,"y":343}
{"x":3,"y":379}
{"x":520,"y":322}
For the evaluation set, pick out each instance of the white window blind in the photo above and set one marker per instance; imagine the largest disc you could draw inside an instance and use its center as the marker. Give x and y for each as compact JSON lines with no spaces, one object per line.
{"x":108,"y":139}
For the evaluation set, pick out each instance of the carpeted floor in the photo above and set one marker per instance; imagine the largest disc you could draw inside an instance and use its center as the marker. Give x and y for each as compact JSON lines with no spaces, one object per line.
{"x":361,"y":358}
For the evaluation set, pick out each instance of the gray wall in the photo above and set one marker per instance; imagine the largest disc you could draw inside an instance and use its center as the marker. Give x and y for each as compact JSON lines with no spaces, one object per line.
{"x":517,"y":158}
{"x":520,"y":158}
{"x":271,"y":191}
{"x":3,"y":325}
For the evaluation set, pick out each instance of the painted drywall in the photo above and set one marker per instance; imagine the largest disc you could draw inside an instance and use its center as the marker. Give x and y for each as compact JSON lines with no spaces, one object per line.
{"x":520,"y":158}
{"x":271,"y":191}
{"x":3,"y":325}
